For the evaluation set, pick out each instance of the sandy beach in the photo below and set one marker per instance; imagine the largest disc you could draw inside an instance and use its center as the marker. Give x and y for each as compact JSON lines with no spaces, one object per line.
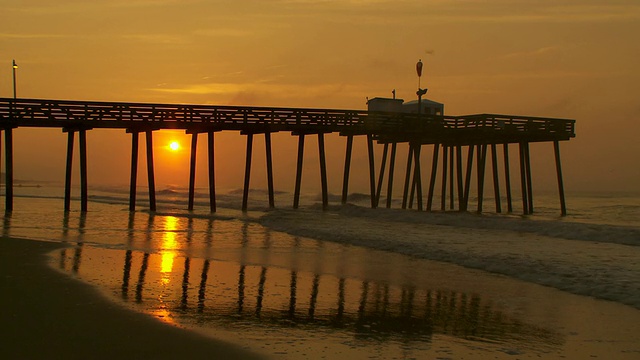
{"x":46,"y":314}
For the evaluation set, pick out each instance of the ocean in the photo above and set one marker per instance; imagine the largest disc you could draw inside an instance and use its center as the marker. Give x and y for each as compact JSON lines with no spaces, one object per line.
{"x":354,"y":282}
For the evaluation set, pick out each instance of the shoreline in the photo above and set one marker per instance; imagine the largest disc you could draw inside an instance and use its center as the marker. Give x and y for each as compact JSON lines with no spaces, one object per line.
{"x":46,"y":313}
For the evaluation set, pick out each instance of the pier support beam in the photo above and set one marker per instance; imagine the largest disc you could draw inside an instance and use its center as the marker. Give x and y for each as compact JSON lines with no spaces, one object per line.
{"x":407,"y":177}
{"x":323,"y":172}
{"x":563,"y":205}
{"x":523,"y":180}
{"x":392,"y":163}
{"x":467,"y":180}
{"x":372,"y":171}
{"x":417,"y":179}
{"x":134,"y":170}
{"x":496,"y":184}
{"x":247,"y":172}
{"x":529,"y":184}
{"x":8,"y":153}
{"x":381,"y":175}
{"x":432,"y":179}
{"x":212,"y":174}
{"x":267,"y":145}
{"x":443,"y":199}
{"x":192,"y":170}
{"x":347,"y":168}
{"x":84,"y":196}
{"x":451,"y":178}
{"x":507,"y":176}
{"x":459,"y":177}
{"x":150,"y":171}
{"x":296,"y":192}
{"x":67,"y":179}
{"x":482,"y":157}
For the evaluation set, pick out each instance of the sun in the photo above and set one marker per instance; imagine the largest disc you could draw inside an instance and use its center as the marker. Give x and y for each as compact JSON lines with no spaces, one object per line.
{"x":174,"y":146}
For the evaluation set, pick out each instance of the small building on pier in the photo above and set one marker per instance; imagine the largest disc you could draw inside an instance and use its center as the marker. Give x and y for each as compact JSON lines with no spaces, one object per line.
{"x":429,"y":107}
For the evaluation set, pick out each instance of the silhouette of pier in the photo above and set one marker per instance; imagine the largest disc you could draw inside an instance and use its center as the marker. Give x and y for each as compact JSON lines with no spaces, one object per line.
{"x":448,"y":135}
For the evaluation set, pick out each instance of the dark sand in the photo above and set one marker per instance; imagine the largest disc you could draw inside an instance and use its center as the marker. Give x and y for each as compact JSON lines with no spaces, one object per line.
{"x":45,"y":314}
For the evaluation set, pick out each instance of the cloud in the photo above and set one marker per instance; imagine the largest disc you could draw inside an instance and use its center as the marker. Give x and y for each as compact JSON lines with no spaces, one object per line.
{"x":157,"y":38}
{"x":31,"y":36}
{"x":224,"y":32}
{"x":532,"y":53}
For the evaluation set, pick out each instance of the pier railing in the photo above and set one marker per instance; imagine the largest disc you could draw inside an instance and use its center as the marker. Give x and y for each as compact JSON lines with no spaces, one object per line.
{"x":398,"y":126}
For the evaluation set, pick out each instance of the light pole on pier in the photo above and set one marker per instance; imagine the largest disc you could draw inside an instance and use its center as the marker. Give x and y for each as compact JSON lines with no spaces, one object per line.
{"x":15,"y":66}
{"x":420,"y":91}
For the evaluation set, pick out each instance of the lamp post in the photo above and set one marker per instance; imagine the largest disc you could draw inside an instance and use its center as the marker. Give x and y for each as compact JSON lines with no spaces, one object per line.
{"x":15,"y":66}
{"x":420,"y":91}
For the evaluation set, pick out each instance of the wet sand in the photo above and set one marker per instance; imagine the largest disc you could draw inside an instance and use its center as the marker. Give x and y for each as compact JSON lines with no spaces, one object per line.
{"x":46,"y":314}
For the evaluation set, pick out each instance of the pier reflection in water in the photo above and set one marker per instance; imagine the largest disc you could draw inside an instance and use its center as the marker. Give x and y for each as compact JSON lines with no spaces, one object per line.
{"x":247,"y":278}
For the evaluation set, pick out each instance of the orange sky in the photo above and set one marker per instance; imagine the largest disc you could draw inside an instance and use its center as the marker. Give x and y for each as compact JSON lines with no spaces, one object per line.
{"x":557,"y":58}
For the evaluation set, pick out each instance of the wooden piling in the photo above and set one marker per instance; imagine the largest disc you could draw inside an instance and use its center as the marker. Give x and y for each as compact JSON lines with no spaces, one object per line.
{"x":67,"y":179}
{"x":529,"y":184}
{"x":247,"y":172}
{"x":296,"y":193}
{"x":347,"y":169}
{"x":507,"y":177}
{"x":84,"y":196}
{"x":134,"y":170}
{"x":563,"y":205}
{"x":212,"y":177}
{"x":412,"y":191}
{"x":267,"y":145}
{"x":467,"y":181}
{"x":372,"y":171}
{"x":443,"y":200}
{"x":459,"y":177}
{"x":407,"y":177}
{"x":8,"y":153}
{"x":192,"y":170}
{"x":523,"y":180}
{"x":451,"y":178}
{"x":381,"y":175}
{"x":482,"y":157}
{"x":323,"y":171}
{"x":417,"y":178}
{"x":150,"y":171}
{"x":434,"y":172}
{"x":392,"y":163}
{"x":496,"y":184}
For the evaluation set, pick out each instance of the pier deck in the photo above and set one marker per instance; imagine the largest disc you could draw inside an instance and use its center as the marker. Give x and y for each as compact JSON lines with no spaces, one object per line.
{"x":449,"y":132}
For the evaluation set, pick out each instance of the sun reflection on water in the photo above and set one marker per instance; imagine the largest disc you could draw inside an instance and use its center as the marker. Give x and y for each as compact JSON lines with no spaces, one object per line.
{"x":169,"y":246}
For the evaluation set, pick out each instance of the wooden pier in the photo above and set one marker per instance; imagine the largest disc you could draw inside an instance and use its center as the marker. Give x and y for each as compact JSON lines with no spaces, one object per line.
{"x":446,"y":135}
